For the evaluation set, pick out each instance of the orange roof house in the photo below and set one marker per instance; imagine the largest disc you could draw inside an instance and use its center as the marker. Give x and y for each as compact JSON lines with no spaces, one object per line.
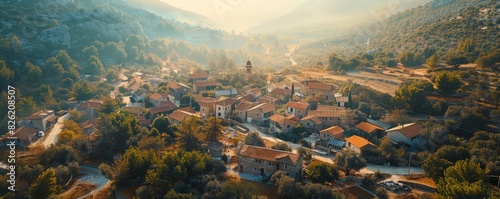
{"x":265,"y":161}
{"x":407,"y":133}
{"x":371,"y":129}
{"x":297,"y":108}
{"x":312,"y":122}
{"x":358,"y":143}
{"x":283,"y":124}
{"x":334,"y":132}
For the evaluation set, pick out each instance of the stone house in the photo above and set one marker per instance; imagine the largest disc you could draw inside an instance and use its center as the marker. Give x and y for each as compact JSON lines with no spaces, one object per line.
{"x":334,"y":132}
{"x":298,"y":109}
{"x":282,"y":124}
{"x":265,"y":161}
{"x":41,"y":120}
{"x":204,"y":86}
{"x":224,"y":108}
{"x":312,"y":123}
{"x":242,"y":108}
{"x":260,"y":114}
{"x":177,"y":90}
{"x":198,"y":77}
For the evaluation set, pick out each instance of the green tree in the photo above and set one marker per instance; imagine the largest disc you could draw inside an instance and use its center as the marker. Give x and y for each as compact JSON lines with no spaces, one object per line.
{"x":34,"y":71}
{"x":154,"y":182}
{"x":65,"y":60}
{"x":82,"y":90}
{"x":94,"y":66}
{"x":254,"y":139}
{"x":212,"y":128}
{"x":282,"y":146}
{"x":321,"y":173}
{"x":45,"y":185}
{"x":188,"y":132}
{"x":349,"y":160}
{"x":237,"y":190}
{"x":89,"y":51}
{"x":288,"y":188}
{"x":335,"y":63}
{"x":6,"y":75}
{"x":410,"y":96}
{"x":109,"y":105}
{"x":171,"y":169}
{"x":162,"y":124}
{"x":114,"y":51}
{"x":448,"y":82}
{"x":433,"y":62}
{"x":30,"y":174}
{"x":392,"y":63}
{"x":410,"y":59}
{"x":52,"y":68}
{"x":463,"y":180}
{"x":456,"y":61}
{"x":435,"y":165}
{"x":488,"y":61}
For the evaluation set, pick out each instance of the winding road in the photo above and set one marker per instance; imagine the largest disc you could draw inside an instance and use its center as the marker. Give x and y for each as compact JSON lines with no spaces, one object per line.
{"x":93,"y":176}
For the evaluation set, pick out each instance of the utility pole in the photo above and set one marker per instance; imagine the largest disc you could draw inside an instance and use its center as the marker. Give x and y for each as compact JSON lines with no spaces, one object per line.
{"x":409,"y":164}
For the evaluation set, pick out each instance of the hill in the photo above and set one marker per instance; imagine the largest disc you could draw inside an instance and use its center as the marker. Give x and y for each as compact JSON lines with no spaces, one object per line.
{"x":328,"y":17}
{"x":439,"y":25}
{"x":173,"y":13}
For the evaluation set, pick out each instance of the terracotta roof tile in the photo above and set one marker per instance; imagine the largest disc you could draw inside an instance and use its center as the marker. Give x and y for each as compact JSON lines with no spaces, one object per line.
{"x":176,"y":85}
{"x":268,"y":99}
{"x":206,"y":83}
{"x":267,"y":154}
{"x":322,"y":86}
{"x":40,"y":114}
{"x":298,"y":105}
{"x":226,"y":102}
{"x":179,"y":115}
{"x":22,"y":133}
{"x":334,"y":131}
{"x":410,"y":130}
{"x":313,"y":118}
{"x":245,"y":105}
{"x":255,"y":91}
{"x":249,"y":97}
{"x":282,"y":120}
{"x":198,"y":75}
{"x":359,"y":142}
{"x":281,"y":91}
{"x":155,"y":96}
{"x":265,"y":107}
{"x":367,"y":127}
{"x":162,"y":109}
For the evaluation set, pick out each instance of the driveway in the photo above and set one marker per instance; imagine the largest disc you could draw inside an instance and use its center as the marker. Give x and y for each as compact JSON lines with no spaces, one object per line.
{"x":54,"y":133}
{"x":91,"y":175}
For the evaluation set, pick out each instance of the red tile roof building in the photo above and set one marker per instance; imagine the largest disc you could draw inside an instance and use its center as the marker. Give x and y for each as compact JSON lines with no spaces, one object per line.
{"x":265,"y":161}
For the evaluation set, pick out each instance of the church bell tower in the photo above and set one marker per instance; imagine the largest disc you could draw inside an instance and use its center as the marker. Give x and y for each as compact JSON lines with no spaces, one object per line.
{"x":248,"y":74}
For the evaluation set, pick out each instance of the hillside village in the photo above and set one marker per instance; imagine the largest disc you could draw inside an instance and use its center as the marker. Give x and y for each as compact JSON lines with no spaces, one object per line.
{"x":275,"y":113}
{"x":106,"y":99}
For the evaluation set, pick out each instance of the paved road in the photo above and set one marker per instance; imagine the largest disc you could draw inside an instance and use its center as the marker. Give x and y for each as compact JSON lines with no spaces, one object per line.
{"x":54,"y":133}
{"x":91,"y":175}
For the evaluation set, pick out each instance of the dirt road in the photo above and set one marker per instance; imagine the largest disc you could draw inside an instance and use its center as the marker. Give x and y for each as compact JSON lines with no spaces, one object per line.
{"x":374,"y":81}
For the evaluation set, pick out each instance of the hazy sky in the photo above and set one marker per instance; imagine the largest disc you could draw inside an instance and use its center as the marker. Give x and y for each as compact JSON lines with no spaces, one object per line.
{"x":237,"y":15}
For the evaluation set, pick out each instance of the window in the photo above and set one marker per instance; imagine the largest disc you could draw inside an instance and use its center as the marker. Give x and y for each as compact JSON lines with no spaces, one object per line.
{"x":218,"y":114}
{"x":291,"y":109}
{"x":219,"y":108}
